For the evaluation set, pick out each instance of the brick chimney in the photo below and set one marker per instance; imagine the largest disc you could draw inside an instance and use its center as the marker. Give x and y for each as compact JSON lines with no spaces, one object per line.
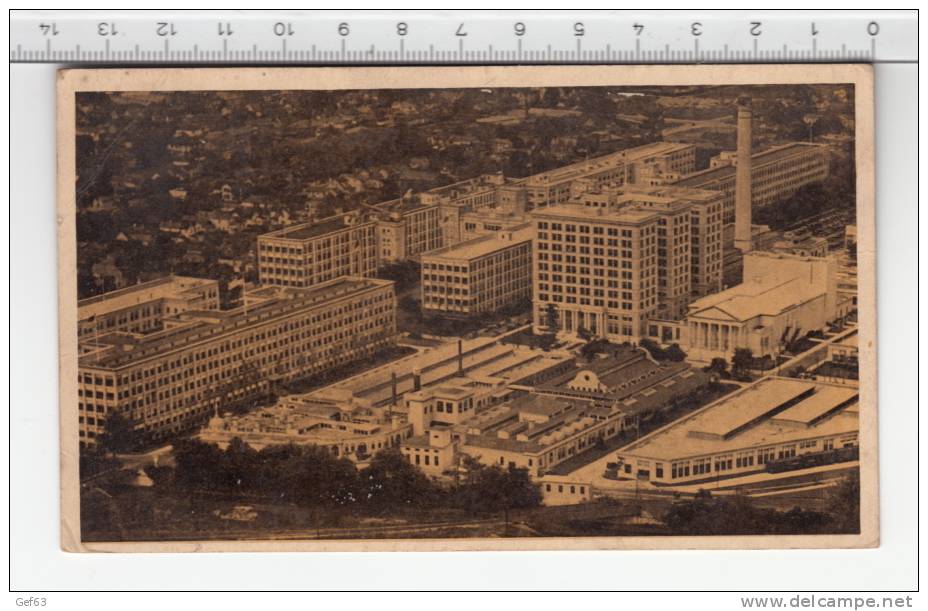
{"x":743,"y":240}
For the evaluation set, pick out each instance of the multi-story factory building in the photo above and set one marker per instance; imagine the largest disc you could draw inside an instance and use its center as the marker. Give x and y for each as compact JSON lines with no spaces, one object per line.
{"x":409,"y":227}
{"x":776,"y":174}
{"x":595,"y":269}
{"x":471,"y":194}
{"x":171,"y":380}
{"x":481,"y":275}
{"x":143,"y":307}
{"x":622,"y":256}
{"x":667,"y":160}
{"x":312,"y":253}
{"x":701,"y":249}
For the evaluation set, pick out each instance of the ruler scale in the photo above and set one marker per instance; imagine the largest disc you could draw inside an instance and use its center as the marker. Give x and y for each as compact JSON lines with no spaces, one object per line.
{"x":461,"y":37}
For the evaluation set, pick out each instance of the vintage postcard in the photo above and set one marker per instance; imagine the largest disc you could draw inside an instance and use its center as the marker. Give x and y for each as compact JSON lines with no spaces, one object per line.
{"x":467,"y":308}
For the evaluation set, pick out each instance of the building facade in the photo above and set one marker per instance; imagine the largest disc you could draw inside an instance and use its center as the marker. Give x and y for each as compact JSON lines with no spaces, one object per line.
{"x":346,"y":431}
{"x":488,"y":222}
{"x":172,"y":380}
{"x":775,"y":174}
{"x":619,"y":169}
{"x":537,"y":433}
{"x":768,"y":423}
{"x":664,"y":242}
{"x":142,"y":308}
{"x":783,"y":297}
{"x":595,"y":269}
{"x":471,"y":194}
{"x":433,"y":452}
{"x":481,"y":275}
{"x":309,"y":254}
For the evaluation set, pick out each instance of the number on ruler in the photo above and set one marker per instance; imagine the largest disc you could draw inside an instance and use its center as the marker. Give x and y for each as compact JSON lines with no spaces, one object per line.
{"x":106,"y":29}
{"x":639,"y":28}
{"x":225,"y":29}
{"x":49,"y":29}
{"x":579,"y":29}
{"x":873,"y":28}
{"x":519,"y":28}
{"x":402,"y":28}
{"x":696,"y":28}
{"x":343,"y":29}
{"x":460,"y":31}
{"x":755,"y":28}
{"x":283,"y":29}
{"x":165,"y":29}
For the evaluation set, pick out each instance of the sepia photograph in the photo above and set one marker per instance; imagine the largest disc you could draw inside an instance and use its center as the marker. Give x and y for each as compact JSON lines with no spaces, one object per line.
{"x":484,"y":308}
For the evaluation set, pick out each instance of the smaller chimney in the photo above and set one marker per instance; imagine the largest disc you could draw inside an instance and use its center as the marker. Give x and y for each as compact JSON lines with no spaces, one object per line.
{"x":460,"y":357}
{"x":393,"y":387}
{"x":416,"y":379}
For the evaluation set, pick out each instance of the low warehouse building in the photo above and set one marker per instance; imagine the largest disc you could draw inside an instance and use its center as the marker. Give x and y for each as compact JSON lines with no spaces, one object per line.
{"x":772,"y":421}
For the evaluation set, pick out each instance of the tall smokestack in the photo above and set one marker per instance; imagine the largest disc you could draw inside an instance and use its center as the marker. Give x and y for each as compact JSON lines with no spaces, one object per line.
{"x":393,"y":387}
{"x":416,"y":379}
{"x":743,"y":241}
{"x":460,"y":358}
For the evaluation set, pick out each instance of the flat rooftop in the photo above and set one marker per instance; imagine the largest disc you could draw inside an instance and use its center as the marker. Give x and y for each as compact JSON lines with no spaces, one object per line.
{"x":160,"y":288}
{"x":469,"y":185}
{"x":314,"y":229}
{"x":401,"y":205}
{"x":671,"y":193}
{"x":820,"y":404}
{"x":549,"y":420}
{"x":580,"y":212}
{"x":747,"y":406}
{"x":485,"y":359}
{"x":757,"y":160}
{"x":605,"y":161}
{"x":676,"y":441}
{"x":849,"y":340}
{"x":757,"y":298}
{"x":134,"y":348}
{"x":483,"y":245}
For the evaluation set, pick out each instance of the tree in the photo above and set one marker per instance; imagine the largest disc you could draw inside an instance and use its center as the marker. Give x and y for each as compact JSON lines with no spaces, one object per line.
{"x":93,"y":460}
{"x":590,"y":349}
{"x":404,"y":273}
{"x":656,"y":352}
{"x":844,"y":504}
{"x":494,"y":489}
{"x":741,"y":362}
{"x":551,"y":317}
{"x":736,"y":515}
{"x":119,"y":434}
{"x":718,"y":366}
{"x":674,"y":353}
{"x":409,"y":304}
{"x":197,"y":464}
{"x":391,"y":482}
{"x":314,"y":477}
{"x":239,"y":465}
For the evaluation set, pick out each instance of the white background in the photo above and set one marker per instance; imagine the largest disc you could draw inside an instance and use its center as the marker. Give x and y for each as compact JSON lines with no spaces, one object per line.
{"x":38,"y":566}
